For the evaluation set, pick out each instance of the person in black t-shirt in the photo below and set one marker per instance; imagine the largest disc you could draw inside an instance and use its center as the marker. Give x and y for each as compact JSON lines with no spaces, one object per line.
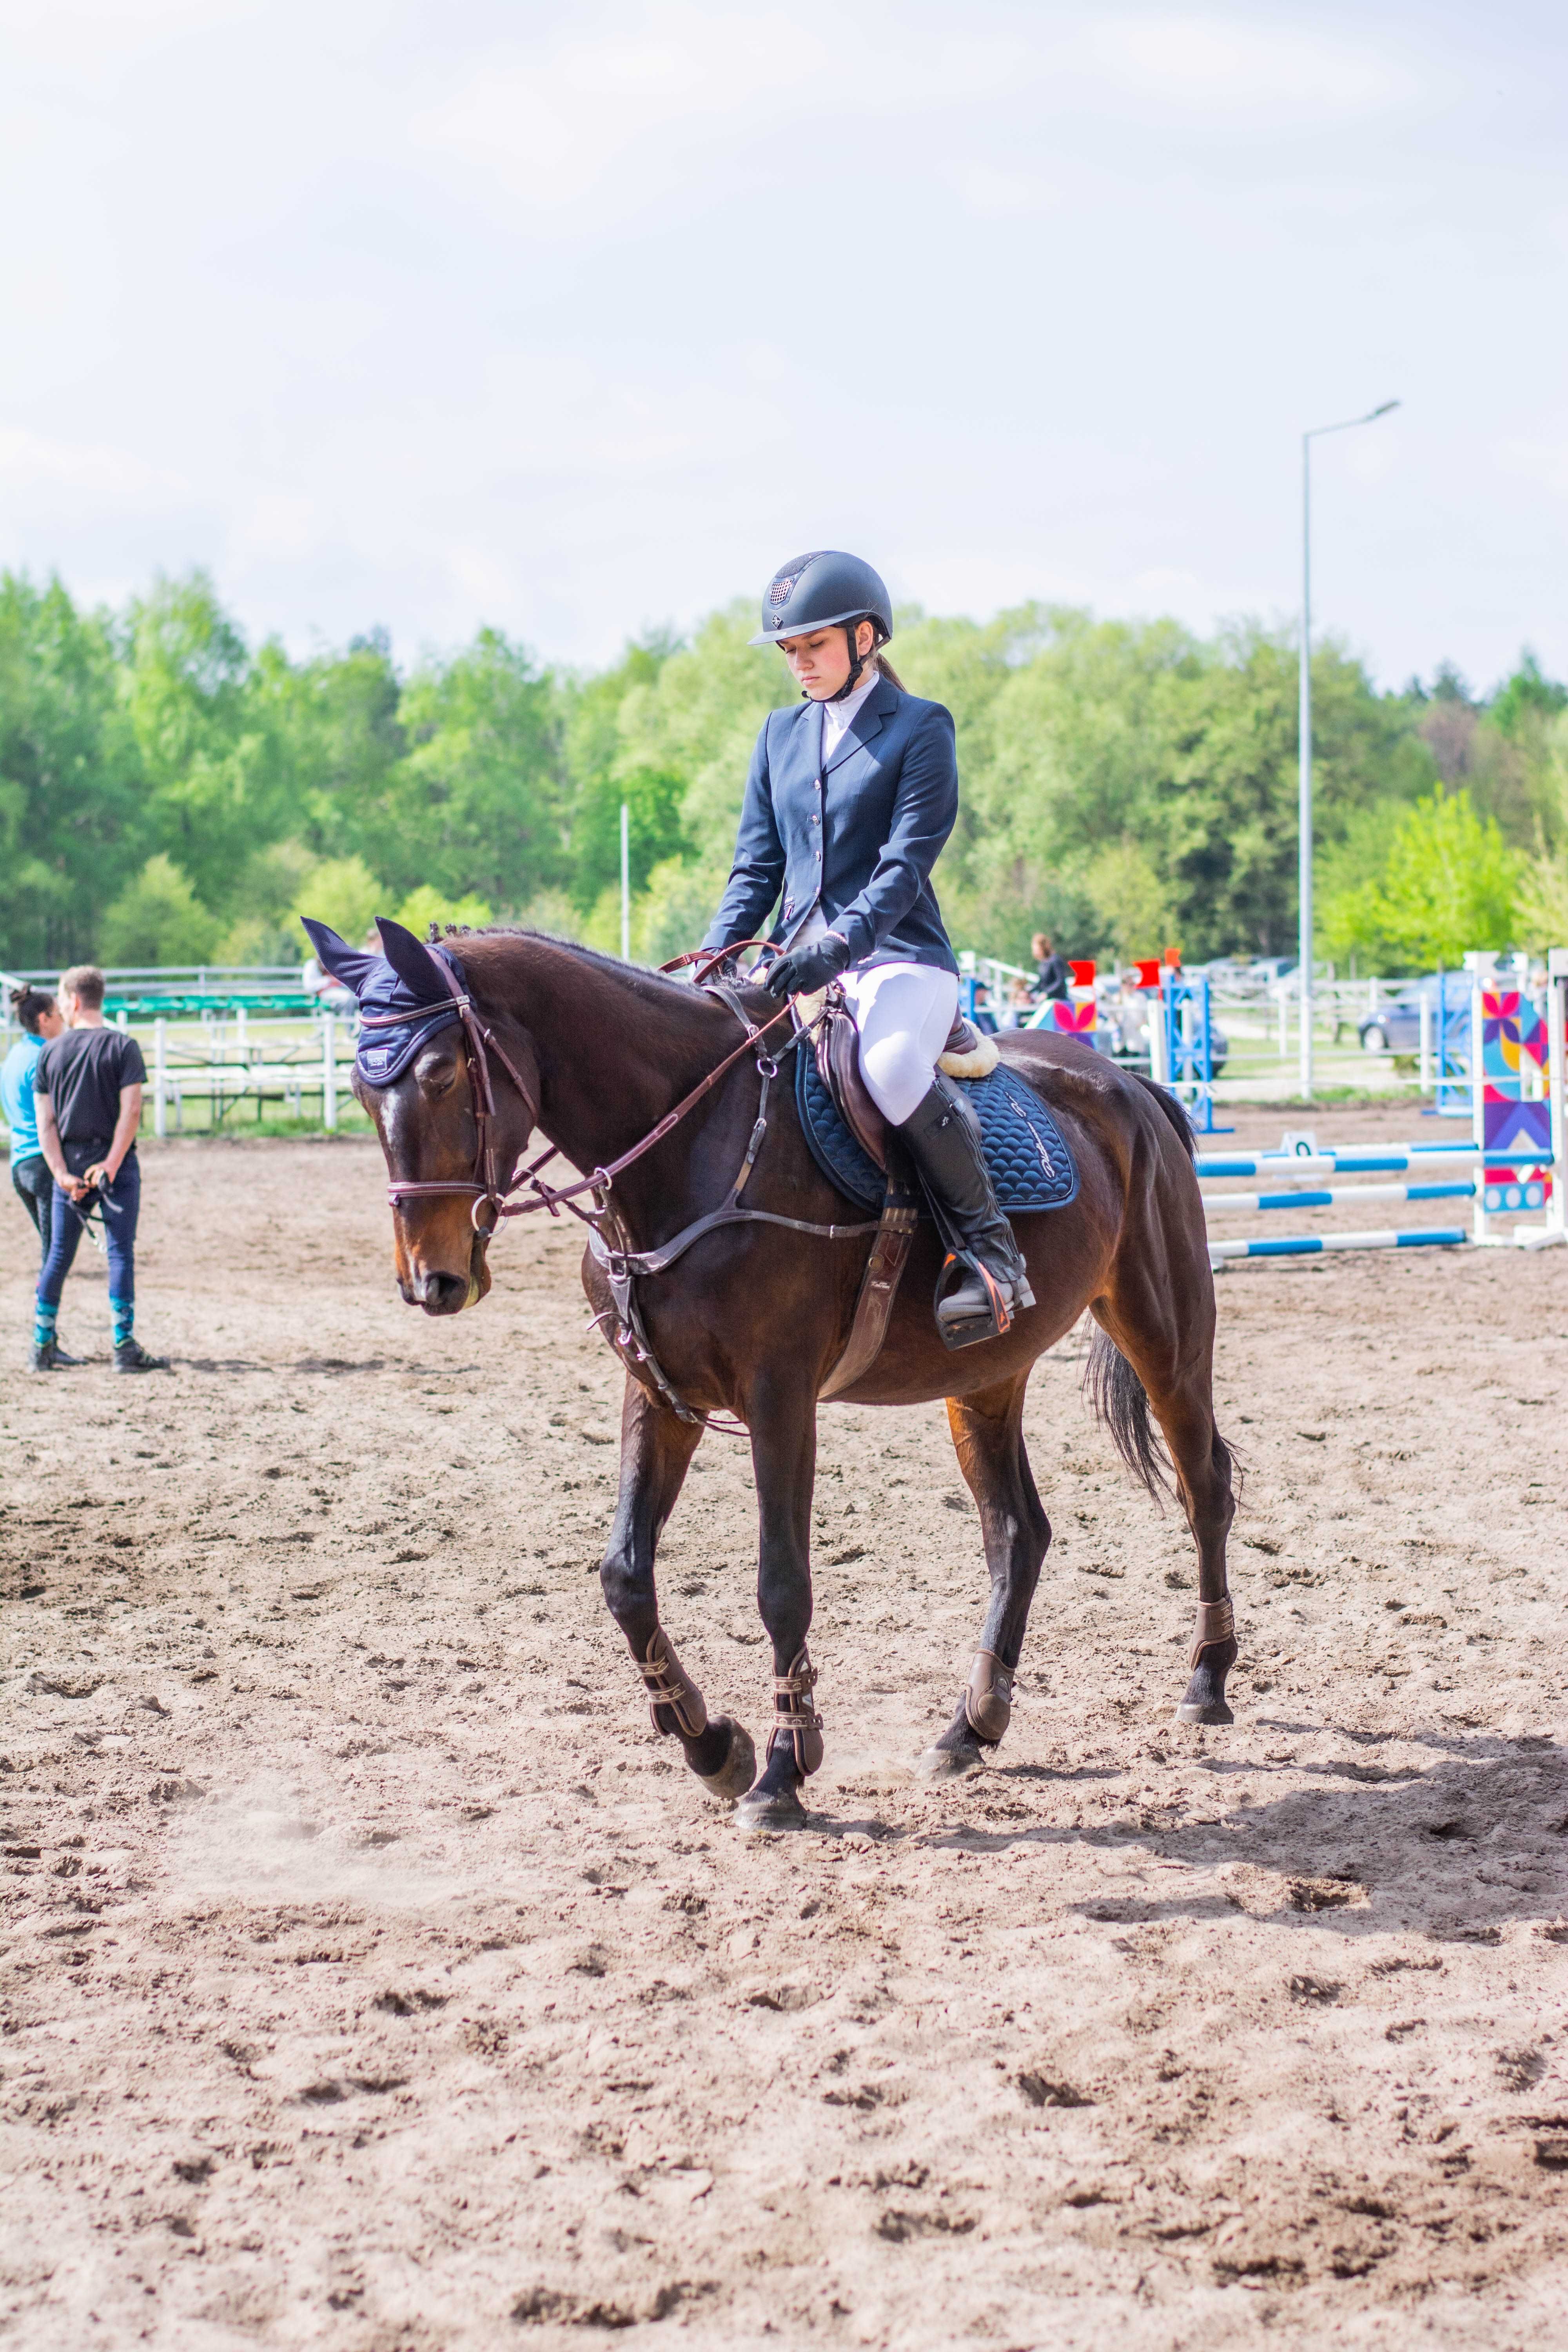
{"x":88,"y":1089}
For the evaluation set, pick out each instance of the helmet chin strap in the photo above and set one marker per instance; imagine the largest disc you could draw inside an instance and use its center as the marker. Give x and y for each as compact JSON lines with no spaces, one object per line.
{"x":857,"y":662}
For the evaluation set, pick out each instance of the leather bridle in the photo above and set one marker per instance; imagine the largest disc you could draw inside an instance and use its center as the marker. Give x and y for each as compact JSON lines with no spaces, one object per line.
{"x":608,"y":1239}
{"x":479,"y":1040}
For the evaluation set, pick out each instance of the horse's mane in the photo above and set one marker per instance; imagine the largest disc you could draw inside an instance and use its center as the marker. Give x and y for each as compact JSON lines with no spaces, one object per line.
{"x":651,"y":992}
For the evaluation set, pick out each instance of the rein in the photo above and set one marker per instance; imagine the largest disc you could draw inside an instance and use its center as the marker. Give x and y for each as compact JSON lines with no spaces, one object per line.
{"x":607,"y":1237}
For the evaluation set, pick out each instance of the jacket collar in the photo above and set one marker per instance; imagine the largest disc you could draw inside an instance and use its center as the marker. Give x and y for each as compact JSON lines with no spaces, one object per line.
{"x":866,"y":723}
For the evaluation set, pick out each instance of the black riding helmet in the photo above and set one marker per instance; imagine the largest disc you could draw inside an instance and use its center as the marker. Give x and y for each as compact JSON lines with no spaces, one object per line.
{"x":824,"y":591}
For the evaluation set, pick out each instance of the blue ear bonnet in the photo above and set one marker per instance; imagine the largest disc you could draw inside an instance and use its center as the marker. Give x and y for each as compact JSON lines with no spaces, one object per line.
{"x":413,"y":986}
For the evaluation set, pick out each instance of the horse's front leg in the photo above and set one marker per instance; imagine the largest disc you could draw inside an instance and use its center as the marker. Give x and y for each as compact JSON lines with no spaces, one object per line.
{"x":988,"y":1431}
{"x":782,"y":1422}
{"x":657,"y":1447}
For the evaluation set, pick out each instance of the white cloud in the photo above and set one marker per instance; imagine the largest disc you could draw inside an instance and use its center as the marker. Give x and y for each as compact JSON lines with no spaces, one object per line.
{"x":552,"y":126}
{"x":992,"y":194}
{"x":642,"y":88}
{"x":275,"y":522}
{"x":117,"y":477}
{"x":1224,"y":65}
{"x":1544,"y":462}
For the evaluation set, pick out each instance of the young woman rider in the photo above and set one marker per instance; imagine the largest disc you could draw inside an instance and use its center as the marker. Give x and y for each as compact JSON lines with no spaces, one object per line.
{"x":849,"y":799}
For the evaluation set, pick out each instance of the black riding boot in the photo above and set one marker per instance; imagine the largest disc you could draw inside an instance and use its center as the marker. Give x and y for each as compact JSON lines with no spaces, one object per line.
{"x":943,"y":1137}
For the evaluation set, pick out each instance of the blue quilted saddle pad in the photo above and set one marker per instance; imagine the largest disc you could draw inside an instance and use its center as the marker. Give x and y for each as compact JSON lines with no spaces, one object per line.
{"x":1030,"y":1164}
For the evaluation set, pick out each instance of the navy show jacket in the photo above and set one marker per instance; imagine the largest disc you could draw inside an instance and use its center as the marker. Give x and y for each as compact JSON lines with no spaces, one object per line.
{"x":858,"y":837}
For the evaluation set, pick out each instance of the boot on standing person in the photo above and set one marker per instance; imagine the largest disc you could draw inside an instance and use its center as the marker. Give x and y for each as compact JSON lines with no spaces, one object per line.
{"x":87,"y":1089}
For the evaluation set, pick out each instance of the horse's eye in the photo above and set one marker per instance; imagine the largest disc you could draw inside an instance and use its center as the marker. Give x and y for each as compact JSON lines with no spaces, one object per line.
{"x":437,"y":1077}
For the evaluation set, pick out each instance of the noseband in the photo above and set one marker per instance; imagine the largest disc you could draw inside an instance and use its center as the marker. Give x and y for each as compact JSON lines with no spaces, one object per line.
{"x":479,"y":1042}
{"x":484,"y":1187}
{"x":607,"y":1236}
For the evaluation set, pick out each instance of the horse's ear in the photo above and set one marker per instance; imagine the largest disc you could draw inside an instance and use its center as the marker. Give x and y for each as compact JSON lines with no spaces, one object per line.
{"x":413,"y":962}
{"x":335,"y":955}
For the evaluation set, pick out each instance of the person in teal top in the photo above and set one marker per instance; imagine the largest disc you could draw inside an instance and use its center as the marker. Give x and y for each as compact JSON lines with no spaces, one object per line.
{"x":39,"y":1016}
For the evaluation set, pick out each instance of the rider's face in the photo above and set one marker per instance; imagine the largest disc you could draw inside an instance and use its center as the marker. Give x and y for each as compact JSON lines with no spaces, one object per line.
{"x":820,"y":662}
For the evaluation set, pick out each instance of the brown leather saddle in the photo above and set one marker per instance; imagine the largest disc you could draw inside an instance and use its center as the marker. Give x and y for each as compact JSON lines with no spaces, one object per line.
{"x":966,"y":1054}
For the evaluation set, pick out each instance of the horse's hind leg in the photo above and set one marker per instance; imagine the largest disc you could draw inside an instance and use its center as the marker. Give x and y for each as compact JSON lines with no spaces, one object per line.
{"x":1134,"y":1367}
{"x":988,"y":1431}
{"x":657,"y":1447}
{"x":1203,"y":1464}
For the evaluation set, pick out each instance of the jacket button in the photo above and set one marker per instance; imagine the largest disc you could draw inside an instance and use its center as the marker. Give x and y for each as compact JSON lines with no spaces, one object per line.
{"x":816,"y":820}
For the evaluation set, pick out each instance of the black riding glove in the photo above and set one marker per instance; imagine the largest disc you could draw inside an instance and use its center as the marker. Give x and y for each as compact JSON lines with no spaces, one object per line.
{"x":805,"y":970}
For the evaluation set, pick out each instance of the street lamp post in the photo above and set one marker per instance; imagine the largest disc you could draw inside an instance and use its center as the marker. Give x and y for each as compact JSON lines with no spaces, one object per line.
{"x":1304,"y":946}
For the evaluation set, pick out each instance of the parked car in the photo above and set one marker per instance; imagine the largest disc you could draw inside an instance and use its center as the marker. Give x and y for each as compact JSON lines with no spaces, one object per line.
{"x":1395,"y":1027}
{"x":1233,"y":973}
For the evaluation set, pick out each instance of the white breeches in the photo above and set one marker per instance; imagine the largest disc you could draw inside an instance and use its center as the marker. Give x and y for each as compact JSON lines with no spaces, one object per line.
{"x":903,"y":1013}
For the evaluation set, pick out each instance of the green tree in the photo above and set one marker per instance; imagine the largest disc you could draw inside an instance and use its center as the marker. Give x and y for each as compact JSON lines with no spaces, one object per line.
{"x":158,"y":918}
{"x":71,"y":822}
{"x":602,"y":773}
{"x":478,"y":804}
{"x":342,"y":892}
{"x":338,"y":719}
{"x":427,"y":906}
{"x":1449,"y":882}
{"x":221,"y":783}
{"x":697,"y":722}
{"x":1527,"y":699}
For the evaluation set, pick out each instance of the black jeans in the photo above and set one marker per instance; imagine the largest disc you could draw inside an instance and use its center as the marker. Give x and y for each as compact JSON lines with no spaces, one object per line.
{"x":35,"y":1188}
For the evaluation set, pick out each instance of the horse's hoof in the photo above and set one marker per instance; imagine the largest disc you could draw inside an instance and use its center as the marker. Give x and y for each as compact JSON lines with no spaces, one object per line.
{"x":940,"y":1763}
{"x":1214,"y":1710}
{"x":738,"y":1771}
{"x":770,"y":1810}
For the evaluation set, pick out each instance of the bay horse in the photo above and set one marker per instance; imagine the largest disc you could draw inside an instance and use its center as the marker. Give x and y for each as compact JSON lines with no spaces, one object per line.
{"x":596,"y":1056}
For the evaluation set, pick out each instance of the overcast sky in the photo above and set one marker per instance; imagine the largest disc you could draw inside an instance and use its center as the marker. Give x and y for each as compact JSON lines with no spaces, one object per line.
{"x":579,"y":320}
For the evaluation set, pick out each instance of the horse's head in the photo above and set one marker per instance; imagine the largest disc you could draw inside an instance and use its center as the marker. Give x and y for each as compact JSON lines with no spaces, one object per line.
{"x":451,"y":1132}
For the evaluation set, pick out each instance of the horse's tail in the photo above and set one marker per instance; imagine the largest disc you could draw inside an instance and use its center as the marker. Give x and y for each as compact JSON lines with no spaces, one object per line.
{"x":1120,"y":1403}
{"x":1173,"y":1112}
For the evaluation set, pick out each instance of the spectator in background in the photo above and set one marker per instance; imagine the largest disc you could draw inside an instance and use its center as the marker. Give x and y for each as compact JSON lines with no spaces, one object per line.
{"x":31,"y":1181}
{"x":1053,"y":974}
{"x":985,"y":1019}
{"x":1020,"y":1005}
{"x":88,"y":1089}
